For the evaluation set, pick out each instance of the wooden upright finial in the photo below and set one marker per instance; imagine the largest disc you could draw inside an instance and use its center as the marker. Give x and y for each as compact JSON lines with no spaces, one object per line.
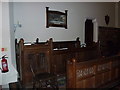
{"x":37,"y":41}
{"x":50,"y":43}
{"x":21,"y":43}
{"x":21,"y":40}
{"x":78,"y":42}
{"x":51,"y":39}
{"x":74,"y":60}
{"x":77,"y":39}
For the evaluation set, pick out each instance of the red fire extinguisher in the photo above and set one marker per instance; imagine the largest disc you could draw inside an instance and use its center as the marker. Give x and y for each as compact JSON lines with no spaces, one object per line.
{"x":4,"y":64}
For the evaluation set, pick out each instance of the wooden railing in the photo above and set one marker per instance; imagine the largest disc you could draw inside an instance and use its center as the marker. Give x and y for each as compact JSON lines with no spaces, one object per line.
{"x":95,"y":73}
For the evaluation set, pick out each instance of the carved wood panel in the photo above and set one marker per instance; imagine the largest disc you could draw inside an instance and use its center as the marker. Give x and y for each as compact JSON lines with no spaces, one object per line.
{"x":89,"y":82}
{"x":95,"y":73}
{"x":34,"y":60}
{"x":99,"y":80}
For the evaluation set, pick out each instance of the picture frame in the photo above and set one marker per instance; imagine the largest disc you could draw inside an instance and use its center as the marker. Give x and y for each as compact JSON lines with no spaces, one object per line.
{"x":56,"y":18}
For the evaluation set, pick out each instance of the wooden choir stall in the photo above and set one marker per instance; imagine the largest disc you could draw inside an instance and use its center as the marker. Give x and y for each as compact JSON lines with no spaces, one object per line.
{"x":74,"y":66}
{"x":98,"y":73}
{"x":51,"y":57}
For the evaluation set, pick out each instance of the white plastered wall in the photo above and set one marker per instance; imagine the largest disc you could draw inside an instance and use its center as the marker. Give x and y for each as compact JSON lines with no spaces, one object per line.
{"x":32,"y":17}
{"x":8,"y":45}
{"x":0,"y":37}
{"x":119,"y":14}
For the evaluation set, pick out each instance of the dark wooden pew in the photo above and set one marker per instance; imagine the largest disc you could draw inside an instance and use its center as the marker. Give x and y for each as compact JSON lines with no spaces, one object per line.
{"x":97,"y":73}
{"x":39,"y":54}
{"x":51,"y":56}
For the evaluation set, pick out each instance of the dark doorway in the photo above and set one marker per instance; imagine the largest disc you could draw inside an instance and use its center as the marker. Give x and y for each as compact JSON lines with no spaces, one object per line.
{"x":88,"y":32}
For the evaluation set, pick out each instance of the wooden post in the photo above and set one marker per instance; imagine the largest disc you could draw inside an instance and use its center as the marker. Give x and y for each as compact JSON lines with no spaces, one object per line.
{"x":52,"y":66}
{"x":21,"y":59}
{"x":74,"y":72}
{"x":71,"y":74}
{"x":78,"y":42}
{"x":21,"y":44}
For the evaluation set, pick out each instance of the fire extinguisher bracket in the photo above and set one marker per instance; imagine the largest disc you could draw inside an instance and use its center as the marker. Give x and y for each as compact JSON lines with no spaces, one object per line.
{"x":4,"y":56}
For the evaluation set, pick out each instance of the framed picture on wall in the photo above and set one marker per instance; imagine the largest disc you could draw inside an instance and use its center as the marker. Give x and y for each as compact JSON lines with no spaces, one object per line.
{"x":56,"y":18}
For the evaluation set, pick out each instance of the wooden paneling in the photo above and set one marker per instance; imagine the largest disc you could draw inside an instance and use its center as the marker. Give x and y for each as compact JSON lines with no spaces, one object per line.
{"x":88,"y":84}
{"x":94,"y":73}
{"x":109,"y":38}
{"x":32,"y":55}
{"x":98,"y":80}
{"x":51,"y":57}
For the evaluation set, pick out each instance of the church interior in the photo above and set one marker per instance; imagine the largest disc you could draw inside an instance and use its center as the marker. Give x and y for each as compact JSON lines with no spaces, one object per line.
{"x":60,"y":45}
